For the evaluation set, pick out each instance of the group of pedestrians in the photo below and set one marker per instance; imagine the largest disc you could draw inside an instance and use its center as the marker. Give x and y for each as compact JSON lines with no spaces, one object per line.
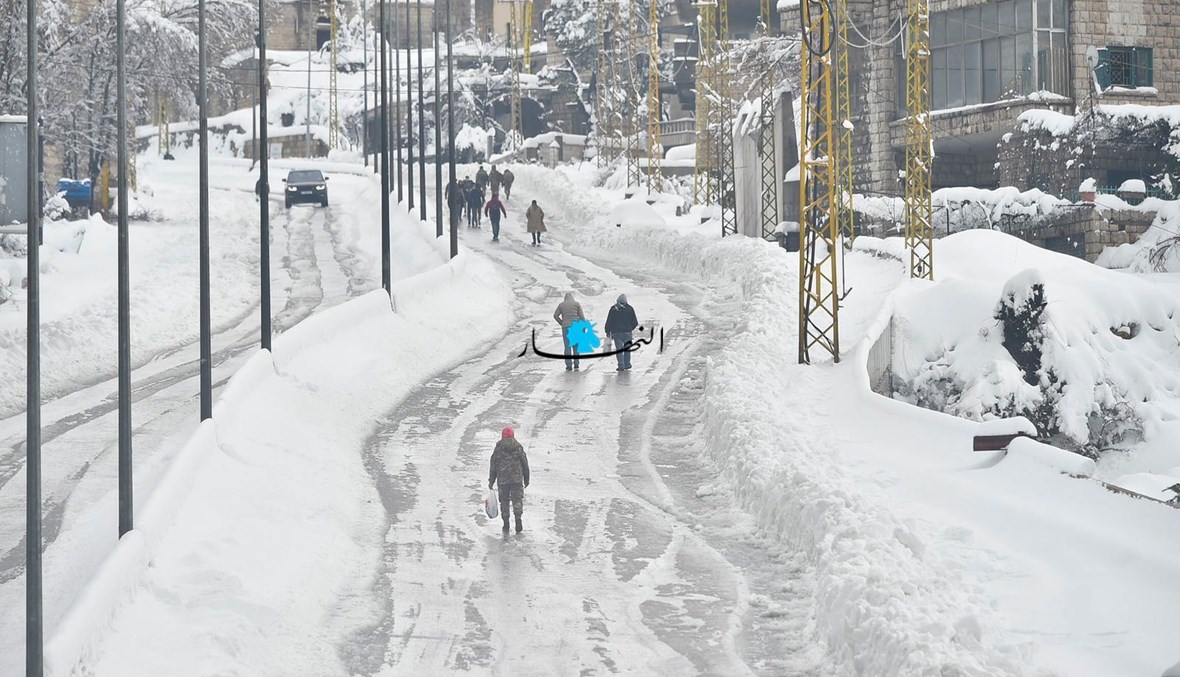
{"x":621,"y":323}
{"x":468,"y":200}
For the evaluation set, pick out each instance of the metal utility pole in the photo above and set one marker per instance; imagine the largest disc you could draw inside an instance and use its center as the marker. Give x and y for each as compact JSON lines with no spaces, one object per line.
{"x":333,"y":107}
{"x":438,"y":183}
{"x":421,"y":127}
{"x":703,"y":190}
{"x":203,"y":181}
{"x":601,"y":116}
{"x":768,"y":158}
{"x":307,"y":113}
{"x":409,"y":117}
{"x":919,"y":142}
{"x":843,"y":122}
{"x":384,"y":87}
{"x":726,"y":182}
{"x":126,"y":505}
{"x":365,"y":60}
{"x":395,"y":119}
{"x":263,"y":150}
{"x":514,"y":74}
{"x":631,"y":126}
{"x":34,"y":614}
{"x":655,"y":149}
{"x":819,"y":303}
{"x":454,"y":215}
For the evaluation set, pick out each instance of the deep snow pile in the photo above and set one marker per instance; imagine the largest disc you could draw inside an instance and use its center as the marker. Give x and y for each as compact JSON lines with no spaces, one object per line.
{"x":963,"y":208}
{"x":1100,"y":352}
{"x":1156,"y":251}
{"x":879,"y":611}
{"x":278,"y":537}
{"x":925,"y":558}
{"x":78,"y":293}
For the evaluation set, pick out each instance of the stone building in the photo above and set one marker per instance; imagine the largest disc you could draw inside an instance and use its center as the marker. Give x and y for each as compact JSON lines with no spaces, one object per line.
{"x":992,"y":60}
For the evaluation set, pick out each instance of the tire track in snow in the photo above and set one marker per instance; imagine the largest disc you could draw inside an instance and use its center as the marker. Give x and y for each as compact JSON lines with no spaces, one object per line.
{"x":446,"y":425}
{"x":166,"y":391}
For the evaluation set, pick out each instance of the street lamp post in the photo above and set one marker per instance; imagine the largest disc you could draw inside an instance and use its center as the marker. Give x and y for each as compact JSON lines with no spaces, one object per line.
{"x":421,"y":127}
{"x":263,"y":156}
{"x":34,"y":628}
{"x":438,"y":185}
{"x":203,"y":219}
{"x":454,"y":215}
{"x":126,"y":513}
{"x":409,"y":116}
{"x":384,"y":86}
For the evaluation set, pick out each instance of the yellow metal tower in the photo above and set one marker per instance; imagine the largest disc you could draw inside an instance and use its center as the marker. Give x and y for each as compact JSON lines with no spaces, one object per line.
{"x":702,"y":178}
{"x":819,"y":303}
{"x":163,"y":137}
{"x":602,"y":117}
{"x":765,"y":19}
{"x":726,"y":181}
{"x":843,"y":122}
{"x":766,"y":154}
{"x":655,"y":149}
{"x":514,"y":66}
{"x":526,"y":38}
{"x":333,"y":106}
{"x":630,"y":110}
{"x":919,"y":141}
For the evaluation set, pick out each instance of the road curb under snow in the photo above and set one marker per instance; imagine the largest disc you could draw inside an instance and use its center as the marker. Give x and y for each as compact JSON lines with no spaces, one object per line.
{"x":122,"y":572}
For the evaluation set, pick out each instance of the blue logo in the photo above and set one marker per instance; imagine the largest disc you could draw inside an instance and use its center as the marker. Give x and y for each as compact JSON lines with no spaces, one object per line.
{"x":582,"y":337}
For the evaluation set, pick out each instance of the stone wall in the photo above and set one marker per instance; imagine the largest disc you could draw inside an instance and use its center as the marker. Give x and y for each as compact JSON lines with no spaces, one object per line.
{"x":1127,"y":23}
{"x":1085,"y":230}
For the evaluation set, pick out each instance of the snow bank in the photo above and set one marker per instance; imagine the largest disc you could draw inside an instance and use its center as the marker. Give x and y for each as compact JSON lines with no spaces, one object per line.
{"x":294,"y":497}
{"x":1156,"y":251}
{"x":880,"y":610}
{"x":1108,"y":342}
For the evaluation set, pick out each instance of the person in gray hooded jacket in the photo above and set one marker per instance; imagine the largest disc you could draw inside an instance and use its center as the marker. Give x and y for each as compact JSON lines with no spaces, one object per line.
{"x":568,"y":312}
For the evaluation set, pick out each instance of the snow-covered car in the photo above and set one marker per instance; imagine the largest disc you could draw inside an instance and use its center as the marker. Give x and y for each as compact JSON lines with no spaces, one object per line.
{"x":306,"y":186}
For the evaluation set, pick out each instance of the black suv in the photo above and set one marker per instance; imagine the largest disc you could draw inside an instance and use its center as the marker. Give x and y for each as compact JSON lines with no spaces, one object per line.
{"x":306,"y":186}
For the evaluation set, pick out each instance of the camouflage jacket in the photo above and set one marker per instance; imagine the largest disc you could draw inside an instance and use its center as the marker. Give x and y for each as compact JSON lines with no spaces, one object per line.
{"x":510,"y":465}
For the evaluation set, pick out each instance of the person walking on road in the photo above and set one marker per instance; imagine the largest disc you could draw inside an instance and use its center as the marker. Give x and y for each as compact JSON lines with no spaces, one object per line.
{"x":455,"y":201}
{"x":620,"y":323}
{"x":481,"y":181}
{"x":495,"y":209}
{"x":534,"y":218}
{"x":568,"y":312}
{"x":494,"y":179}
{"x":509,"y":468}
{"x":474,"y":204}
{"x":508,"y":178}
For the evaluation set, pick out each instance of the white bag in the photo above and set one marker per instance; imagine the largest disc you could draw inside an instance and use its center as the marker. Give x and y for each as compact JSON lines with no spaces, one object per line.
{"x":491,"y":505}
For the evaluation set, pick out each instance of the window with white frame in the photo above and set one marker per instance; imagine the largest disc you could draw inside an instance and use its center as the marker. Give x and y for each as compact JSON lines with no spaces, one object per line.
{"x":997,"y":51}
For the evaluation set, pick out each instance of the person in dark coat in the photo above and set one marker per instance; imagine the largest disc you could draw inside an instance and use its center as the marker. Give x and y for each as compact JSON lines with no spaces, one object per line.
{"x":510,"y":468}
{"x":456,"y":201}
{"x":508,"y":178}
{"x":494,"y":179}
{"x":474,"y":205}
{"x":620,"y":323}
{"x":467,"y":186}
{"x":495,"y":209}
{"x":481,"y":181}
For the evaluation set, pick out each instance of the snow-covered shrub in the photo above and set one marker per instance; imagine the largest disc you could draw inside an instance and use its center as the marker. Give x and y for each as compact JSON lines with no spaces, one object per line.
{"x":1082,"y":352}
{"x":57,"y":208}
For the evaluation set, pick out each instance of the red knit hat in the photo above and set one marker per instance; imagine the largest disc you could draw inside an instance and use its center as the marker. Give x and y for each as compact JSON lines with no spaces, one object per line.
{"x":506,"y":433}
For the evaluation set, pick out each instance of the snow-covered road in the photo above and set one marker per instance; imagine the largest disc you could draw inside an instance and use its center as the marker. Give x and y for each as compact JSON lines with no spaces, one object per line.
{"x":313,"y":268}
{"x":628,"y":563}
